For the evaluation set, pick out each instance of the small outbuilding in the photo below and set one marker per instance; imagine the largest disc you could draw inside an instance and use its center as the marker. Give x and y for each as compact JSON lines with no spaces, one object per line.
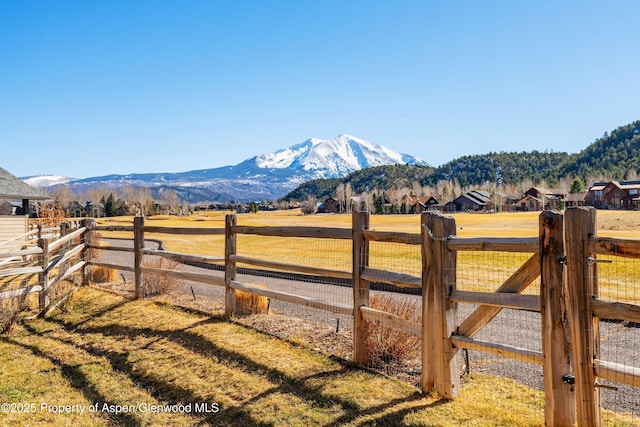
{"x":330,"y":205}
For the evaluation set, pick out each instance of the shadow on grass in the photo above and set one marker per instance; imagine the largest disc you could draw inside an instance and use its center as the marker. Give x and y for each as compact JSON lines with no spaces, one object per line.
{"x":169,"y":392}
{"x":388,"y":417}
{"x":77,"y":380}
{"x":92,"y":315}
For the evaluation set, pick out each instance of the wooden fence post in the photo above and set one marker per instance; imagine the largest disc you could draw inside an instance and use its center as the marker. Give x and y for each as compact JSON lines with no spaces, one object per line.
{"x":360,"y":222}
{"x":87,"y":253}
{"x":560,"y":404}
{"x":138,"y":245}
{"x":43,"y":277}
{"x":64,"y":230}
{"x":440,"y":360}
{"x":229,"y":265}
{"x":580,"y":226}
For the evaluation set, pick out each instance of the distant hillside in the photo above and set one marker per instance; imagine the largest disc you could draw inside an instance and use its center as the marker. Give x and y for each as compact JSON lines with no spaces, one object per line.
{"x":615,"y":155}
{"x":375,"y":178}
{"x":509,"y":168}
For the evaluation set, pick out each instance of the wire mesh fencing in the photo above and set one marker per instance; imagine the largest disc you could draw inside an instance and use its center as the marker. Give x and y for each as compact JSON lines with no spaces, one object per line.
{"x":299,"y":269}
{"x":197,"y":252}
{"x":618,"y":279}
{"x":486,"y":271}
{"x":390,"y":350}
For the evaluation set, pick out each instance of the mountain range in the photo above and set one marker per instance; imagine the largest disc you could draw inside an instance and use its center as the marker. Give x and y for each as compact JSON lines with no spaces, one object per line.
{"x":614,"y":156}
{"x":266,"y":176}
{"x":317,"y":167}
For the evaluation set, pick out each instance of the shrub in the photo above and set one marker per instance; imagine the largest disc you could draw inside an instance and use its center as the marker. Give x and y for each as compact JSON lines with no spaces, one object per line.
{"x":103,"y":275}
{"x":247,"y":303}
{"x":60,"y":294}
{"x":387,"y":345}
{"x":10,"y":308}
{"x":160,"y":284}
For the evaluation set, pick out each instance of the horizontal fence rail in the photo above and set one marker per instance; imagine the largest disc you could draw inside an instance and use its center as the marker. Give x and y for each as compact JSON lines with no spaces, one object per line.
{"x":310,"y":232}
{"x":290,"y":267}
{"x":629,"y":248}
{"x":295,"y":299}
{"x":498,"y":244}
{"x":43,"y":267}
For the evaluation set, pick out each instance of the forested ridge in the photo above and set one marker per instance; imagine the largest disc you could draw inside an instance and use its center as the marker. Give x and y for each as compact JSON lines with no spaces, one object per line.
{"x":614,"y":156}
{"x":501,"y":168}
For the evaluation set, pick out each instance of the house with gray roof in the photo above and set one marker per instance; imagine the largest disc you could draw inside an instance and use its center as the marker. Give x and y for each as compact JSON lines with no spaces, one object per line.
{"x":17,"y":223}
{"x":476,"y":200}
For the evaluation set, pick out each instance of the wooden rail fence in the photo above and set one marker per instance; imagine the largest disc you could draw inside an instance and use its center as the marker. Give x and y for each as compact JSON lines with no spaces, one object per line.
{"x":58,"y":255}
{"x":563,"y":257}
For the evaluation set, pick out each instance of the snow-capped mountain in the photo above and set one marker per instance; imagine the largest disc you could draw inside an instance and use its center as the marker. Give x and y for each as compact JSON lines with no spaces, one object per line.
{"x":267,"y":176}
{"x":46,"y":180}
{"x":334,"y":158}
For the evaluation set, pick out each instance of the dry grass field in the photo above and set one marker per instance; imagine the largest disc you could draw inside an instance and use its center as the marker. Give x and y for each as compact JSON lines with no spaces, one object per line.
{"x":507,"y":224}
{"x":108,"y":361}
{"x":617,"y":278}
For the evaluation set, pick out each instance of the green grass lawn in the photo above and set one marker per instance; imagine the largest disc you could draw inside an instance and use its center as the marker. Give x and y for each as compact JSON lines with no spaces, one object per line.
{"x":131,"y":358}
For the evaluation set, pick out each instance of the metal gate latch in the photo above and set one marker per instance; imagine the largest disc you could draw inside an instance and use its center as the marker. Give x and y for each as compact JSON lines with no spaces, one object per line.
{"x":591,"y":260}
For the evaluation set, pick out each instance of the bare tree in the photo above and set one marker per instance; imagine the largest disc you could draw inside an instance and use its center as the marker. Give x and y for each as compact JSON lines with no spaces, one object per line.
{"x":341,"y":197}
{"x":170,"y":198}
{"x":309,"y":206}
{"x":139,"y":198}
{"x":63,"y":197}
{"x":145,"y":200}
{"x":564,"y":183}
{"x":416,"y":189}
{"x":523,"y":186}
{"x":127,"y":192}
{"x":95,"y":196}
{"x":448,"y":190}
{"x":429,"y":191}
{"x":348,"y":194}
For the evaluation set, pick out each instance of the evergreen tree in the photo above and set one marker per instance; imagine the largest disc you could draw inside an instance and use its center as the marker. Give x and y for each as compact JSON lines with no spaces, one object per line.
{"x":378,"y":203}
{"x":110,"y":206}
{"x":577,"y":186}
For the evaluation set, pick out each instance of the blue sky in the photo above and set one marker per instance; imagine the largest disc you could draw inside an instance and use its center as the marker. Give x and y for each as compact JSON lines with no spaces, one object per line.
{"x":91,"y":88}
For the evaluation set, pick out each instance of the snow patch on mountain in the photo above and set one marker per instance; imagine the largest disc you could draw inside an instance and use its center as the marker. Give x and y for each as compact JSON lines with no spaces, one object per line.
{"x":334,"y":158}
{"x":46,"y":180}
